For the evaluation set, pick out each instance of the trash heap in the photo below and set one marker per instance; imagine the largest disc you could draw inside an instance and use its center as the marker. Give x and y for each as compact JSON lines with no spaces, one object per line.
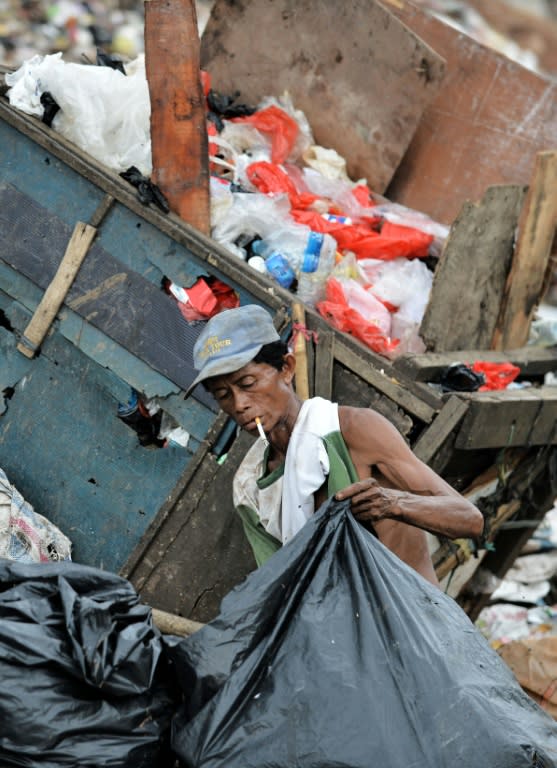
{"x":278,"y":200}
{"x":520,"y":621}
{"x":287,"y":206}
{"x":77,"y":29}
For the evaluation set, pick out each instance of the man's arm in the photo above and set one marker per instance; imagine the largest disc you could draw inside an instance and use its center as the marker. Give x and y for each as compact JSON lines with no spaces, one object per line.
{"x":406,"y":493}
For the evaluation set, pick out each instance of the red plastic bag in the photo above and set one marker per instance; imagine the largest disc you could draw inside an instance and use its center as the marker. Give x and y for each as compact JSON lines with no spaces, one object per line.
{"x":362,"y":193}
{"x":342,"y":317}
{"x":394,"y":242}
{"x":207,"y":297}
{"x":278,"y":126}
{"x":497,"y":375}
{"x":269,"y":179}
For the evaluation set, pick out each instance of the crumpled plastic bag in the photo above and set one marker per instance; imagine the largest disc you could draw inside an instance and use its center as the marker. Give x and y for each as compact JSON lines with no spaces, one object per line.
{"x":25,"y":535}
{"x":338,"y":312}
{"x":206,"y":297}
{"x":327,"y":162}
{"x":104,"y":112}
{"x":496,"y":375}
{"x":279,"y":126}
{"x":80,"y":663}
{"x":406,"y":286}
{"x":336,"y":653}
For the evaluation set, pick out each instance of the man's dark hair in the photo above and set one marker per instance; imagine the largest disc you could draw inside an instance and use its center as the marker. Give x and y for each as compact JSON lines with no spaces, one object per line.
{"x":272,"y":354}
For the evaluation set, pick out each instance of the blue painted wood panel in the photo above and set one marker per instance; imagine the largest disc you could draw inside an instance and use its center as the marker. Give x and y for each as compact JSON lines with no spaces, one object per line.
{"x":63,"y":446}
{"x":61,"y":442}
{"x":190,"y":414}
{"x":71,"y":197}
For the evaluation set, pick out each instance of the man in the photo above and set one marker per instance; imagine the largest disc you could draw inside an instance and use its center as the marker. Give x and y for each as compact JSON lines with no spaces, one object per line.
{"x":310,"y":451}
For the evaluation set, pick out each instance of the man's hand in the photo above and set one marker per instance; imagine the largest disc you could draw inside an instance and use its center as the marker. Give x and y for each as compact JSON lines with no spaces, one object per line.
{"x":370,"y":502}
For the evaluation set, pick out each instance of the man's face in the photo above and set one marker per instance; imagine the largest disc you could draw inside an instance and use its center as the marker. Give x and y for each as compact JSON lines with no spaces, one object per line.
{"x":257,"y":389}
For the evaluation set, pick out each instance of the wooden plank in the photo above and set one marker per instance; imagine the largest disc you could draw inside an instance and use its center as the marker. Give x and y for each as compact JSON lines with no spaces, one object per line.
{"x":486,"y":125}
{"x":349,"y":389}
{"x":507,"y":418}
{"x":200,"y":551}
{"x":391,"y":388}
{"x":324,"y":360}
{"x":444,"y":423}
{"x":54,"y":296}
{"x":49,"y":306}
{"x":15,"y":125}
{"x":138,"y":564}
{"x":544,"y":429}
{"x":115,"y":299}
{"x":470,"y":277}
{"x":64,"y":448}
{"x":532,"y":361}
{"x":338,"y":61}
{"x":531,"y":260}
{"x":178,"y":119}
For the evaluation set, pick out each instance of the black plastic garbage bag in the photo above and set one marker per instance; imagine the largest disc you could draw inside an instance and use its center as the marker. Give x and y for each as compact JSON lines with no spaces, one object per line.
{"x":335,"y":654}
{"x":82,"y":681}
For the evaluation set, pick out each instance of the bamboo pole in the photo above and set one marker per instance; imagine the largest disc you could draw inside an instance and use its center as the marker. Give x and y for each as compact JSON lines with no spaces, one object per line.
{"x":300,"y":351}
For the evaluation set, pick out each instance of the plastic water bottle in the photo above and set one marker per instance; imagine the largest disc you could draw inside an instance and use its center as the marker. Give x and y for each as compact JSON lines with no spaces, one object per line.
{"x":319,"y":260}
{"x":294,"y":251}
{"x":278,"y":266}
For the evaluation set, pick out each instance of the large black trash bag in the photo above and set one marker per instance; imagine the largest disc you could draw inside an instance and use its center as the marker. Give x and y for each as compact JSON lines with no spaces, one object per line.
{"x":82,"y":676}
{"x":335,"y":654}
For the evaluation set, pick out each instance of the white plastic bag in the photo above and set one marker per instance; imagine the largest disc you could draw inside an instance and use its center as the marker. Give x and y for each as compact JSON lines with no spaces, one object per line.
{"x":405,"y":283}
{"x":251,"y":214}
{"x":364,"y":302}
{"x":104,"y":112}
{"x":327,"y":162}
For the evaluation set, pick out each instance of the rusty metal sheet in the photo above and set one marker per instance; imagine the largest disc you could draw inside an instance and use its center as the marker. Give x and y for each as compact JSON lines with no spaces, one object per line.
{"x":488,"y":121}
{"x":361,"y":77}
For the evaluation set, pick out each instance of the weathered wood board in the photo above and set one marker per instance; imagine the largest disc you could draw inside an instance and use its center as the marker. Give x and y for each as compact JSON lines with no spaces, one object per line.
{"x":507,"y":418}
{"x":531,"y":259}
{"x":64,"y":448}
{"x":200,"y":541}
{"x":362,"y":78}
{"x":532,"y":361}
{"x":487,"y":123}
{"x":469,"y":280}
{"x":178,"y":120}
{"x":114,"y":299}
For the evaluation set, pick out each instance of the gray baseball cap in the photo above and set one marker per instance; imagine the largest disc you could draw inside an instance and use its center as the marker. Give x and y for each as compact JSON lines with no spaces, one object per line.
{"x":230,"y":340}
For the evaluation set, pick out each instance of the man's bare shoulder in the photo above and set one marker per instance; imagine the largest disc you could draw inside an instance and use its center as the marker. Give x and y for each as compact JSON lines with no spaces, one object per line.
{"x":364,"y":428}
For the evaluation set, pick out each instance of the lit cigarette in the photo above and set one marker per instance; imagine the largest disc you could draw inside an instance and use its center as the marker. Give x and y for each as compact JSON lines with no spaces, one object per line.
{"x":262,"y":434}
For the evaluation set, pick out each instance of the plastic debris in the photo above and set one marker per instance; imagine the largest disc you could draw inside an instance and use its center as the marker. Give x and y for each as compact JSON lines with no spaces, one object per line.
{"x":25,"y":535}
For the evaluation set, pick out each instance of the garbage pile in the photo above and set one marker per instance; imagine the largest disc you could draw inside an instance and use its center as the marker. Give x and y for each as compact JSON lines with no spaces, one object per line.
{"x":84,"y":678}
{"x":252,"y":687}
{"x":473,"y":21}
{"x":278,"y":200}
{"x":520,"y":621}
{"x":76,"y":28}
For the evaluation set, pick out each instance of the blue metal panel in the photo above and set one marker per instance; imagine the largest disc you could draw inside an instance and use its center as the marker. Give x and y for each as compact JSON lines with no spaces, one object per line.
{"x":71,"y":197}
{"x":61,"y":442}
{"x":191,"y":414}
{"x":63,"y":446}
